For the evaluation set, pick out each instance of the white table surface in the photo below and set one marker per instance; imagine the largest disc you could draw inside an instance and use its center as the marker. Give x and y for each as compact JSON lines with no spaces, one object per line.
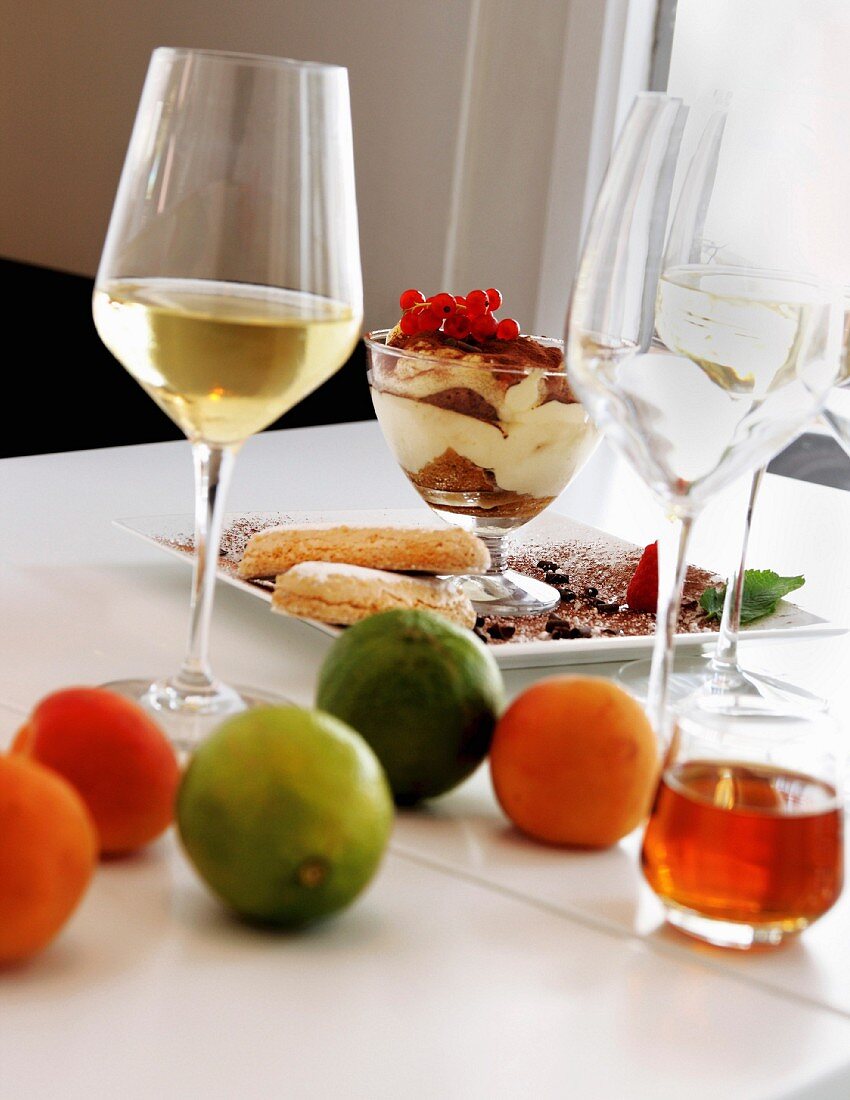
{"x":477,"y":964}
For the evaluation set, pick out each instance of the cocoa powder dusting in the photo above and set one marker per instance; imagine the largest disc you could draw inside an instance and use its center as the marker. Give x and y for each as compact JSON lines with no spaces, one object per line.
{"x":234,"y":539}
{"x":592,"y":579}
{"x":606,"y":573}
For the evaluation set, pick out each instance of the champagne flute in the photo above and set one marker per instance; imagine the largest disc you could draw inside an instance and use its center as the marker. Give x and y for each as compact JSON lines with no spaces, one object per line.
{"x":699,"y":357}
{"x":229,"y":286}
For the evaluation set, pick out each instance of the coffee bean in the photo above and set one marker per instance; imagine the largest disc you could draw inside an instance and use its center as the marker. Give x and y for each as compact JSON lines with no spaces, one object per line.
{"x":557,"y":578}
{"x":501,"y":632}
{"x":571,"y":632}
{"x":557,"y":624}
{"x":567,"y":595}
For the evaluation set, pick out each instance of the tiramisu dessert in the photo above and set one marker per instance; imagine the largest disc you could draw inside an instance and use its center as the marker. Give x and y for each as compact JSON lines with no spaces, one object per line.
{"x":481,"y":419}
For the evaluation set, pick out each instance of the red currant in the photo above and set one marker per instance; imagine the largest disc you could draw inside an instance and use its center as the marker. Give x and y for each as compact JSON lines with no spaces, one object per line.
{"x":409,"y":323}
{"x":411,"y":298}
{"x":476,"y":303}
{"x":484,"y":328}
{"x":457,"y":326}
{"x":507,"y":329}
{"x":494,"y":297}
{"x":443,"y":303}
{"x":429,"y":319}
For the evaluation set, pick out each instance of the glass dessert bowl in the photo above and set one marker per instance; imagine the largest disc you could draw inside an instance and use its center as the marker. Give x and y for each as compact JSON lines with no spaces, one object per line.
{"x":489,"y":433}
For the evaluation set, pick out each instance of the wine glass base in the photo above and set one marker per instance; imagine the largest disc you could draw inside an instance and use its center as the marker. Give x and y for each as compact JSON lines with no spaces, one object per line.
{"x":727,"y":933}
{"x":509,"y":593}
{"x":690,"y":679}
{"x":187,"y":717}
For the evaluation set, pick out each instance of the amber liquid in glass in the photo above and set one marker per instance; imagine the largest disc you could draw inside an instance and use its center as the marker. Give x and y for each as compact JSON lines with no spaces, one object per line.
{"x":746,"y":843}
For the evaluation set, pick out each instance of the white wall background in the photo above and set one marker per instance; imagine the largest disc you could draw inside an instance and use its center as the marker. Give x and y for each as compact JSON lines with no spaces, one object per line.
{"x":475,"y":123}
{"x":785,"y":45}
{"x":481,"y":126}
{"x":797,"y":51}
{"x":71,"y":74}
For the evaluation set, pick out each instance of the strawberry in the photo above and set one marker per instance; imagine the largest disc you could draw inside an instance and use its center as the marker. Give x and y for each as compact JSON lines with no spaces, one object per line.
{"x":642,"y":593}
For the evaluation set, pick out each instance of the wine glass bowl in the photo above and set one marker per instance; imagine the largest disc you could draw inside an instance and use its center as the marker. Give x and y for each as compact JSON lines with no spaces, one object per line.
{"x":716,"y":388}
{"x":223,"y":360}
{"x":488,"y":445}
{"x":229,"y":286}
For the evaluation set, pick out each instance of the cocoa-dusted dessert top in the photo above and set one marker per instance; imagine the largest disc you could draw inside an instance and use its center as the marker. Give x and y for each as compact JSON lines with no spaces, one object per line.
{"x":502,"y":364}
{"x":522,"y":353}
{"x":457,"y":334}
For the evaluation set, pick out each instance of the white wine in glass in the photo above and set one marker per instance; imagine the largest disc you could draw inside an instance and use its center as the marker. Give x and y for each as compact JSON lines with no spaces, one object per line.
{"x":223,"y":359}
{"x":229,"y":286}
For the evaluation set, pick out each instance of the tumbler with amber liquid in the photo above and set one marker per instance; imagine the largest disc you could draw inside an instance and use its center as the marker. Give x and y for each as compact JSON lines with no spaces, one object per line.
{"x":744,"y":844}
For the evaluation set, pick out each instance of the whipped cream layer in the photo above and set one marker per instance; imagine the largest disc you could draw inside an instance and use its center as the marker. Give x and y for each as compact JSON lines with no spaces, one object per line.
{"x":533,"y":448}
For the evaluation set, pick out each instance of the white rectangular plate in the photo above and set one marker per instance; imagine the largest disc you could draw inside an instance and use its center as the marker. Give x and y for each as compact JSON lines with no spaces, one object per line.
{"x":789,"y":621}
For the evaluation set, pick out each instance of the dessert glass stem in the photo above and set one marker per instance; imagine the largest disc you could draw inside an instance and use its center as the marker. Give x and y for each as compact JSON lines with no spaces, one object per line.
{"x":213,"y":468}
{"x":498,"y":560}
{"x":672,"y":551}
{"x":725,"y":672}
{"x":502,"y":590}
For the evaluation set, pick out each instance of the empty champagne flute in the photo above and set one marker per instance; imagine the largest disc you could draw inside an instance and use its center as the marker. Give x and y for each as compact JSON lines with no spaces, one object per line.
{"x":699,"y":350}
{"x":229,"y":286}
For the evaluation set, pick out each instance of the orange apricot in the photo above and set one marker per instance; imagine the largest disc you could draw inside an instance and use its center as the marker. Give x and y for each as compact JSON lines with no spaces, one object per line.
{"x":574,"y":761}
{"x":48,"y":853}
{"x":116,"y":757}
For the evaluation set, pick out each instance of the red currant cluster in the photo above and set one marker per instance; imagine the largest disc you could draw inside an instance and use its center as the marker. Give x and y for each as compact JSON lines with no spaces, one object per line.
{"x":463,"y":318}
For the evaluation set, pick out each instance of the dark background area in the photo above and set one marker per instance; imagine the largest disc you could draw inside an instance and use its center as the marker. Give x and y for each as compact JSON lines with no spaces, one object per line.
{"x":89,"y":400}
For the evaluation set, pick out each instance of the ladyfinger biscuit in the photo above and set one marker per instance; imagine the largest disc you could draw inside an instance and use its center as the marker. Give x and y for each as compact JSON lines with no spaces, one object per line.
{"x":442,"y":550}
{"x":333,"y":592}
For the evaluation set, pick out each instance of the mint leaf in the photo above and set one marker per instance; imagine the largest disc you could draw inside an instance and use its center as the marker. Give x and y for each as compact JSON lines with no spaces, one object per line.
{"x":711,"y":601}
{"x":763,"y":589}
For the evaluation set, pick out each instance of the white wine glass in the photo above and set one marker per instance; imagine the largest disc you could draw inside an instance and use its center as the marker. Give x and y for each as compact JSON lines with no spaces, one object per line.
{"x":699,"y":350}
{"x":794,"y":135}
{"x":229,"y":286}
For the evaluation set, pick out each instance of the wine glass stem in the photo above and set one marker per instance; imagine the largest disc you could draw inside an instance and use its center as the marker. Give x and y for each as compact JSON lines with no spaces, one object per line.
{"x":725,"y":670}
{"x":213,"y":467}
{"x":672,"y":551}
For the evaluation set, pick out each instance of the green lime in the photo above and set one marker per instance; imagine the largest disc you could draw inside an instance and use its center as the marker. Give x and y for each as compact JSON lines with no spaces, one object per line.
{"x":424,"y":693}
{"x":285,"y":813}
